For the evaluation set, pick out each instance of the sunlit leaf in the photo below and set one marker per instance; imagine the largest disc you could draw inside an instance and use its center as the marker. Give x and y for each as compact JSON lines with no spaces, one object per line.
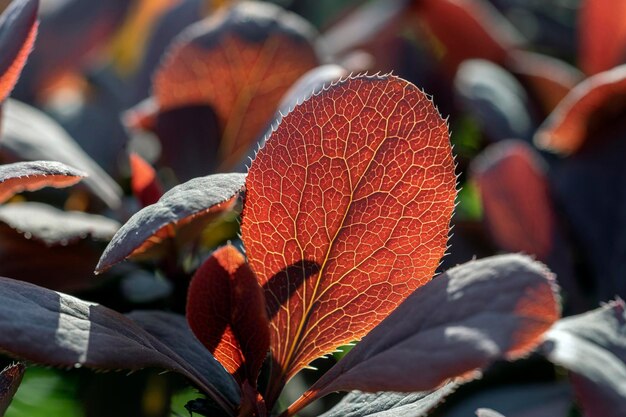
{"x":241,"y":62}
{"x":390,"y":404}
{"x":347,"y":212}
{"x":55,"y":329}
{"x":29,"y":134}
{"x":487,"y":412}
{"x":586,"y":113}
{"x":601,"y":35}
{"x":10,"y":379}
{"x":200,"y":199}
{"x":144,"y":181}
{"x":18,"y":28}
{"x":459,"y":323}
{"x":226,"y":311}
{"x":31,"y":176}
{"x":592,"y":346}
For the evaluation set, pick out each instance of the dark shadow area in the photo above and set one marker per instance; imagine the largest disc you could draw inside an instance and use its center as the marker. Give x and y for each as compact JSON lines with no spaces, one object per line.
{"x":286,"y":282}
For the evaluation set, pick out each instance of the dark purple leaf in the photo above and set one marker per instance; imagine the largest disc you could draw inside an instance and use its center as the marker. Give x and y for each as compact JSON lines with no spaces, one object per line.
{"x":29,"y":134}
{"x":200,"y":198}
{"x":18,"y":28}
{"x":390,"y":404}
{"x":593,"y":347}
{"x":56,"y":329}
{"x":487,"y":412}
{"x":30,"y":176}
{"x":10,"y":379}
{"x":493,"y":97}
{"x":459,"y":323}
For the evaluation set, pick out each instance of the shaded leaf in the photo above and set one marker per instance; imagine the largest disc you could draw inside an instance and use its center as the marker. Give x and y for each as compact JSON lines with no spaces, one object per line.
{"x":144,"y":181}
{"x":520,"y":213}
{"x":347,"y":211}
{"x":69,"y":30}
{"x":56,"y":227}
{"x":602,"y":35}
{"x":585,"y":113}
{"x":10,"y":379}
{"x":390,"y":404}
{"x":547,"y":79}
{"x":460,"y":322}
{"x":495,"y":99}
{"x":226,"y":311}
{"x":517,"y":400}
{"x":465,"y":29}
{"x":29,"y":134}
{"x":202,"y":198}
{"x":592,"y":346}
{"x":487,"y":412}
{"x":18,"y":29}
{"x":240,"y":62}
{"x":55,"y":329}
{"x":31,"y":176}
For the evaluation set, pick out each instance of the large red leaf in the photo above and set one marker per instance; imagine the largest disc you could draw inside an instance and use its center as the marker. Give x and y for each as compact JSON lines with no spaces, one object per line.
{"x":18,"y":28}
{"x":226,"y":311}
{"x":347,"y":212}
{"x":10,"y":379}
{"x":585,"y":113}
{"x":452,"y":327}
{"x":241,"y":62}
{"x":31,"y":176}
{"x":602,"y":35}
{"x":464,"y":29}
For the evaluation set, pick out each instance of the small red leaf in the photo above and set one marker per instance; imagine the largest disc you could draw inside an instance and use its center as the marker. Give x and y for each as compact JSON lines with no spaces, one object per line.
{"x":464,"y":29}
{"x":18,"y":29}
{"x":347,"y":212}
{"x":602,"y":34}
{"x":144,"y":181}
{"x":10,"y":379}
{"x":516,"y":198}
{"x":226,"y":311}
{"x":588,"y":109}
{"x":241,"y":62}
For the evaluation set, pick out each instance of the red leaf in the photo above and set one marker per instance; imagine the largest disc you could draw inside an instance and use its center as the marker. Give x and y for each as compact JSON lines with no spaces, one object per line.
{"x":241,"y":62}
{"x":347,"y":212}
{"x":18,"y":29}
{"x":464,"y":29}
{"x":582,"y":115}
{"x":144,"y":181}
{"x":516,"y":198}
{"x":602,"y":34}
{"x":226,"y":311}
{"x":10,"y":379}
{"x":31,"y":176}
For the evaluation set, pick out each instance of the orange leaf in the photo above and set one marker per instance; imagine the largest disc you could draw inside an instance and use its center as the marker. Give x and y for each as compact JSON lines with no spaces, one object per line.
{"x":602,"y":34}
{"x":144,"y":181}
{"x":226,"y":311}
{"x":347,"y":212}
{"x":592,"y":106}
{"x":241,"y":62}
{"x":18,"y":29}
{"x":465,"y":29}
